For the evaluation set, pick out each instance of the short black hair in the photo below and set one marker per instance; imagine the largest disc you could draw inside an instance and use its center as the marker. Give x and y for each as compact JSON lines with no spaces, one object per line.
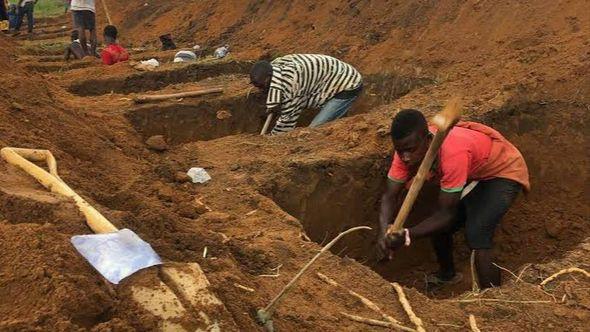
{"x":75,"y":34}
{"x":111,"y":31}
{"x":260,"y":71}
{"x":406,"y":122}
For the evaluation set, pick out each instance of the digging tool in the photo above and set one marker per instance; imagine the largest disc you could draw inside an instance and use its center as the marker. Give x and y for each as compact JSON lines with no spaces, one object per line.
{"x":189,"y":290}
{"x":106,"y":12}
{"x":147,"y":98}
{"x":266,"y":124}
{"x":115,"y":254}
{"x":265,"y":315}
{"x":445,"y":121}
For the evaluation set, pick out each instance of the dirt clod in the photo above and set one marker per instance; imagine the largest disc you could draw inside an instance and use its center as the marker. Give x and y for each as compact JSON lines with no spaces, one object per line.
{"x":157,"y":143}
{"x":181,"y":177}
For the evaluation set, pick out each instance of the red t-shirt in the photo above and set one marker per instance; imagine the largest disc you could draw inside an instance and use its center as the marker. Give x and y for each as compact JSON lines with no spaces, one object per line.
{"x":114,"y":53}
{"x":471,"y":151}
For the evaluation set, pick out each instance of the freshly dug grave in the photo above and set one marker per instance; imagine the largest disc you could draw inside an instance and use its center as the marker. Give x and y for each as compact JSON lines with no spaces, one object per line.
{"x":330,"y":196}
{"x":154,"y":80}
{"x":243,"y":111}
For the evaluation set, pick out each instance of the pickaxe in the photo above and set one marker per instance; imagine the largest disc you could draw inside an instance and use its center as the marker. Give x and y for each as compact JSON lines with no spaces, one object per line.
{"x":444,"y":121}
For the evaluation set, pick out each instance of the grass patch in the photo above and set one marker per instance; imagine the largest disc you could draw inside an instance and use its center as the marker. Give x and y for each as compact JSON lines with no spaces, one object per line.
{"x":47,"y":8}
{"x":44,"y":48}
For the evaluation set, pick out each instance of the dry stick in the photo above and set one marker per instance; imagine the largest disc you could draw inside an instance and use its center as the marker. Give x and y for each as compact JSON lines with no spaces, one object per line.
{"x":445,"y":121}
{"x":474,"y":281}
{"x":505,"y":269}
{"x":473,"y":324}
{"x":450,"y":325}
{"x":499,"y":300}
{"x":408,"y":308}
{"x":564,"y":271}
{"x":368,"y":303}
{"x":147,"y":98}
{"x":244,"y":287}
{"x":375,"y":322}
{"x":522,"y":272}
{"x":264,"y":315}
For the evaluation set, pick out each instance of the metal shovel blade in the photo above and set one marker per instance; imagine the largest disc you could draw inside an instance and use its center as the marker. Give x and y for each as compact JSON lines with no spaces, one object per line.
{"x":116,"y":255}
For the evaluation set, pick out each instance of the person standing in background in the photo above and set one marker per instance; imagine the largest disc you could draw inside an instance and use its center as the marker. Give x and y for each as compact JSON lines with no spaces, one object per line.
{"x":84,"y":17}
{"x":25,"y":7}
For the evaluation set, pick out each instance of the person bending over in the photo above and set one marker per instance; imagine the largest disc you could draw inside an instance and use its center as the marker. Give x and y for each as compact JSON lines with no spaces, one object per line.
{"x":299,"y":81}
{"x":471,"y":152}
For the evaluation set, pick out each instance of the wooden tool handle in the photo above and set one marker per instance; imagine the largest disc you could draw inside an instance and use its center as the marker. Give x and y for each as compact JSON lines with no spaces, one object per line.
{"x":18,"y":157}
{"x":266,"y":124}
{"x":148,"y":98}
{"x":445,"y":121}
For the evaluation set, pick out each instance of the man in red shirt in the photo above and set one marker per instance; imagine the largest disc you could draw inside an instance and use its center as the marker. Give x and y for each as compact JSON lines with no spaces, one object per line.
{"x":471,"y":152}
{"x":114,"y":52}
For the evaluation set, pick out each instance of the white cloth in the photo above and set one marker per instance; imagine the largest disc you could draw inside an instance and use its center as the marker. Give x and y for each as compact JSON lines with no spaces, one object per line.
{"x":25,"y":2}
{"x":83,"y":5}
{"x":221,"y":52}
{"x":185,"y":56}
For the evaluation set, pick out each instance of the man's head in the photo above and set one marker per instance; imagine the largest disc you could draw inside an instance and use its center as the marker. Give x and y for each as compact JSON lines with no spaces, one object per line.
{"x":410,"y":135}
{"x":261,"y":74}
{"x":75,"y":35}
{"x":110,"y":32}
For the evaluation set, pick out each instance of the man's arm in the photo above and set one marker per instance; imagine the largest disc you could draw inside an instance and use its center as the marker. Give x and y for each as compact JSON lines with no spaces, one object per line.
{"x":442,"y":219}
{"x":288,"y":118}
{"x":390,"y":205}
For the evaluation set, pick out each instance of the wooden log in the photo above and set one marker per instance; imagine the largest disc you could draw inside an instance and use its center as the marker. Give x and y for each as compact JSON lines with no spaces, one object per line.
{"x":147,"y":98}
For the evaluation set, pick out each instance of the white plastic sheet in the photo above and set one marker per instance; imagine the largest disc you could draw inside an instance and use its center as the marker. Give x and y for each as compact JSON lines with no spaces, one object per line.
{"x":116,"y":255}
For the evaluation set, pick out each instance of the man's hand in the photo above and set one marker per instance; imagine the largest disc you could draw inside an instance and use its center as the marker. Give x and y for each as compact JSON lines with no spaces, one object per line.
{"x":276,"y":111}
{"x":387,"y":245}
{"x":383,"y":252}
{"x":396,"y":240}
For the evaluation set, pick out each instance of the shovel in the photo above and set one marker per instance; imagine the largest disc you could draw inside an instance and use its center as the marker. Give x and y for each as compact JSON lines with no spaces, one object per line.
{"x":266,"y":124}
{"x":117,"y":254}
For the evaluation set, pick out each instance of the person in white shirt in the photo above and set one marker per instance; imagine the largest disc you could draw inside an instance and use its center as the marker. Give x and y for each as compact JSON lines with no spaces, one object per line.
{"x":84,"y":17}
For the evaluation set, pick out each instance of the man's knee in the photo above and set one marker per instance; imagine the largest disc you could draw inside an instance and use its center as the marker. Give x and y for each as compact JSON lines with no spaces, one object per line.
{"x":479,"y":238}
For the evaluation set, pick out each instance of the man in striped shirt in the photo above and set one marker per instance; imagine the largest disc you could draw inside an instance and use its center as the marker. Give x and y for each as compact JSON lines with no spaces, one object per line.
{"x":299,"y":81}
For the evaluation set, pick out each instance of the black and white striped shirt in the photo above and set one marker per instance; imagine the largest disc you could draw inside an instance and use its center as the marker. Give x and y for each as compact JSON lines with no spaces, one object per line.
{"x":301,"y":81}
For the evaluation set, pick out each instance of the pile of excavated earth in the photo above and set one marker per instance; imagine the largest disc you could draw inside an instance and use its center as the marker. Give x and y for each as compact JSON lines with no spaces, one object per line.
{"x":231,"y":244}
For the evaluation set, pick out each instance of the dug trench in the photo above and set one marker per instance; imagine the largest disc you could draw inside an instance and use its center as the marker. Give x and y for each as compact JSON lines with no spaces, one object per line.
{"x":329,"y":196}
{"x":207,"y":118}
{"x":158,"y":79}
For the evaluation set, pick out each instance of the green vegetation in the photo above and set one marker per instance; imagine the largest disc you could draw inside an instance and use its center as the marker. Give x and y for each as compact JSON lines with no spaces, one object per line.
{"x":47,"y":8}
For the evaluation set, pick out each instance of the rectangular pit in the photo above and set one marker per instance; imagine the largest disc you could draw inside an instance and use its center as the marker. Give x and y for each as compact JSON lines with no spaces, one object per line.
{"x":329,"y":196}
{"x":158,"y":79}
{"x":202,"y":120}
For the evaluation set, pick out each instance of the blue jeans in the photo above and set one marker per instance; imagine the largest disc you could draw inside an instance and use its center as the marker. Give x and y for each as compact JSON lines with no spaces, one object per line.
{"x":333,"y":109}
{"x":28,"y":11}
